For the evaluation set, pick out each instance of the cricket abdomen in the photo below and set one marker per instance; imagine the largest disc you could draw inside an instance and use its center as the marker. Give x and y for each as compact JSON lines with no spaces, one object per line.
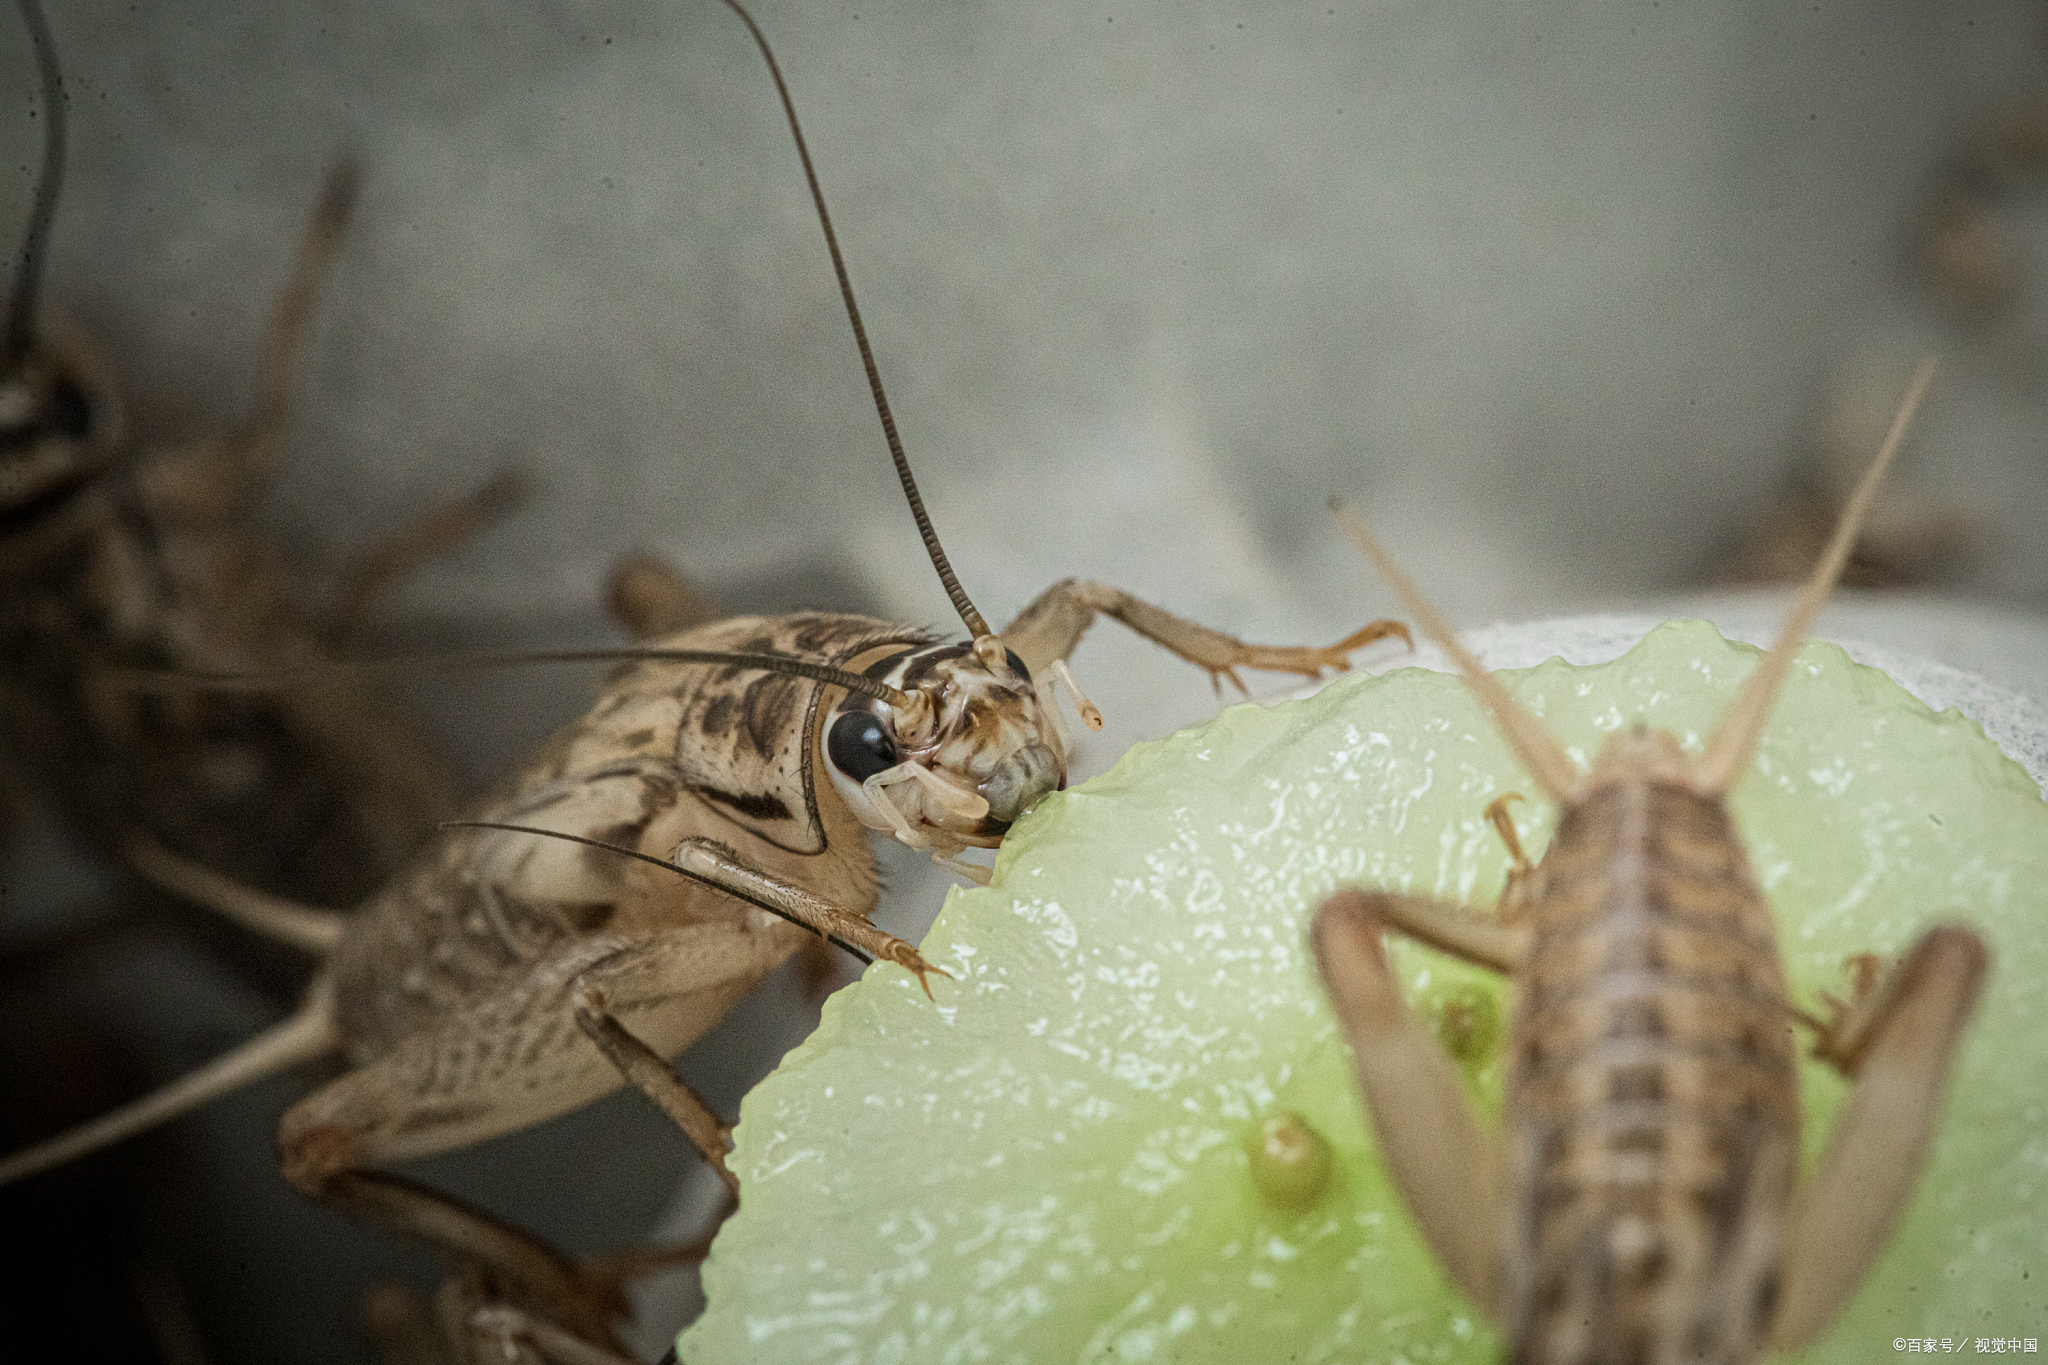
{"x":1652,"y":1106}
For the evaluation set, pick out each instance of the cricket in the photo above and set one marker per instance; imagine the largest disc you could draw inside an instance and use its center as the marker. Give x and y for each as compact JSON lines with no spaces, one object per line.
{"x":611,"y":900}
{"x":118,"y":553}
{"x":1643,"y":1204}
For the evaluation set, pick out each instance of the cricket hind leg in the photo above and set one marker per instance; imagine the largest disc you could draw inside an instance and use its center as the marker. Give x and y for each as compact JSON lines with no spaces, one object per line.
{"x":1896,"y":1043}
{"x":1448,"y":1169}
{"x":510,"y":1059}
{"x":1047,"y":631}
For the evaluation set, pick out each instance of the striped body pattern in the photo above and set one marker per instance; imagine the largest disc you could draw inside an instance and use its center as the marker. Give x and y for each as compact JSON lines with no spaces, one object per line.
{"x":483,"y":907}
{"x":458,"y":974}
{"x":1653,"y":1112}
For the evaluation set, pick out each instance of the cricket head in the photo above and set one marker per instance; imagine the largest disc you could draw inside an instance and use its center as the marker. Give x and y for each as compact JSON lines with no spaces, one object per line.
{"x":1640,"y":750}
{"x":972,"y":744}
{"x":54,"y":435}
{"x":54,"y":430}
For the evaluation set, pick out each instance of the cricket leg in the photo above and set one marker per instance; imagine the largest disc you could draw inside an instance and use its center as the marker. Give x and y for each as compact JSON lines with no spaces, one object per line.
{"x":508,"y":1059}
{"x":401,"y":1327}
{"x":303,"y":926}
{"x":650,"y":1073}
{"x":1046,"y":632}
{"x":385,"y":564}
{"x":1896,"y":1044}
{"x":212,"y":480}
{"x":650,"y":599}
{"x":513,"y":1264}
{"x":502,"y":1332}
{"x":714,"y":863}
{"x":1446,"y":1166}
{"x":522,"y":1336}
{"x":1511,"y":906}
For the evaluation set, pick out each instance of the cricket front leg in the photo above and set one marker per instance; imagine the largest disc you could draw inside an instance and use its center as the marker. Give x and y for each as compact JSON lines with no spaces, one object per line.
{"x":714,"y":863}
{"x":1896,"y":1042}
{"x":1045,"y":633}
{"x":1448,"y":1169}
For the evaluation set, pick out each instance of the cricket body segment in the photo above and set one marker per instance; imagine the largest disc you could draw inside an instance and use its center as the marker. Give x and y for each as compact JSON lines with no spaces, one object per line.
{"x":1653,"y":1111}
{"x":1643,"y":1206}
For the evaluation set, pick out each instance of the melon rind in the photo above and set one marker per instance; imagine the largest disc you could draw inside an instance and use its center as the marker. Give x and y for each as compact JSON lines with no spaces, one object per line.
{"x":1048,"y":1162}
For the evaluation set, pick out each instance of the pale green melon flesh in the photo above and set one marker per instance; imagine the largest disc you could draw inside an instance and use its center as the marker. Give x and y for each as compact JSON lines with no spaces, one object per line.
{"x":1048,"y":1164}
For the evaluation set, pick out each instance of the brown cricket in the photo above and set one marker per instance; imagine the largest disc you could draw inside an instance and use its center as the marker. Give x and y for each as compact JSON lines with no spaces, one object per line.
{"x":709,"y":815}
{"x":118,"y":553}
{"x":1643,"y":1206}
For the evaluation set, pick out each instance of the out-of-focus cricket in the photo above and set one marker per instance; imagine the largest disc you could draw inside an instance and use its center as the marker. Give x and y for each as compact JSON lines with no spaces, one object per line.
{"x":1644,"y":1207}
{"x":609,"y":902}
{"x":114,"y":552}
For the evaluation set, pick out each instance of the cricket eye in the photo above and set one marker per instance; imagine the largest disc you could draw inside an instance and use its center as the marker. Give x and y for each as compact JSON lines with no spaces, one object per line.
{"x":860,"y":746}
{"x":1017,"y":665}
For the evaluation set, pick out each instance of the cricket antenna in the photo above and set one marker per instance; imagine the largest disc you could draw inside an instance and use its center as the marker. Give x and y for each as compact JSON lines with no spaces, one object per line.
{"x":976,"y":627}
{"x":19,"y":335}
{"x":1728,"y":748}
{"x":1546,"y":761}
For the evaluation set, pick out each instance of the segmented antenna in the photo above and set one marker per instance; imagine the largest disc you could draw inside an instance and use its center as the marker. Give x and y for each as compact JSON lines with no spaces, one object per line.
{"x":972,"y":618}
{"x":179,"y":679}
{"x":21,"y":304}
{"x":1729,"y":747}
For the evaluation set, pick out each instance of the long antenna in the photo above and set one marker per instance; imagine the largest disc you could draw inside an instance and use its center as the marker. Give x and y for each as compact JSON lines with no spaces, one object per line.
{"x":976,"y":627}
{"x":21,"y":304}
{"x":182,"y":680}
{"x":1541,"y":754}
{"x":1727,"y":752}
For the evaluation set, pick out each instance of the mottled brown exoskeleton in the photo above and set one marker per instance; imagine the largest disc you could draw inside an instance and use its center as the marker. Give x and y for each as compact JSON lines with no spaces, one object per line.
{"x":1643,"y":1206}
{"x":709,"y":815}
{"x":116,"y":552}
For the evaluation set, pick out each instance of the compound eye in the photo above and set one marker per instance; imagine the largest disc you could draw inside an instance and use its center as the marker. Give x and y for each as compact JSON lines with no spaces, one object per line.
{"x":1017,"y":665}
{"x":860,"y":746}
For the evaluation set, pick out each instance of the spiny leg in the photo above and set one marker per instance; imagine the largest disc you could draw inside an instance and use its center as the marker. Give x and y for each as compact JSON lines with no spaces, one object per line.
{"x":651,"y":1074}
{"x":710,"y":861}
{"x":1446,"y":1166}
{"x":1047,"y":630}
{"x":1897,"y":1045}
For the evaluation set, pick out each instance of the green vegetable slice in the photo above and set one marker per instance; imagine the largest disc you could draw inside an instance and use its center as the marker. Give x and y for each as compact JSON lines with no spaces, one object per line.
{"x":1070,"y":1156}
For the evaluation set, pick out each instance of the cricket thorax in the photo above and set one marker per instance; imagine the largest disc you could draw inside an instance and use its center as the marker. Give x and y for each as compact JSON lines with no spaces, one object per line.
{"x":1652,"y":1105}
{"x":978,"y":748}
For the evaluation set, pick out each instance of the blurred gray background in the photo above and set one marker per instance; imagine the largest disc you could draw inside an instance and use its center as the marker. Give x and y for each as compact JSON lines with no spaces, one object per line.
{"x":1565,"y":296}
